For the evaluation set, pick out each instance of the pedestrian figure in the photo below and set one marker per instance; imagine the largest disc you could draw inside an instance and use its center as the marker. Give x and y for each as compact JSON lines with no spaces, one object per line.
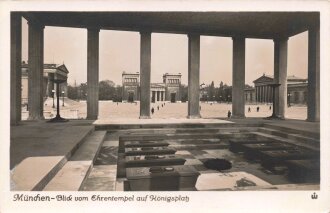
{"x":162,"y":105}
{"x":117,"y":103}
{"x":257,"y":109}
{"x":157,"y":107}
{"x":152,"y":110}
{"x":200,"y":108}
{"x":270,"y":107}
{"x":249,"y":109}
{"x":229,"y":114}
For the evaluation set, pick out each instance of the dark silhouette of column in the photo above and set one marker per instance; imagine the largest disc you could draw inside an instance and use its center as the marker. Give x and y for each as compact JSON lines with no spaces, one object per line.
{"x":280,"y":75}
{"x":35,"y":74}
{"x":15,"y":68}
{"x":145,"y":70}
{"x":313,"y":95}
{"x":193,"y":75}
{"x":238,"y":106}
{"x":92,"y":73}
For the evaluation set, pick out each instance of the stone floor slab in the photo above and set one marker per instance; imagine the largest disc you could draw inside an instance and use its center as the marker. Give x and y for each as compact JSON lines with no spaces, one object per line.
{"x":228,"y":181}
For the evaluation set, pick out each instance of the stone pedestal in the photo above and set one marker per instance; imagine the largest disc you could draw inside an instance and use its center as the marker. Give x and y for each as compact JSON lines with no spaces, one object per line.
{"x":313,"y":97}
{"x":15,"y":68}
{"x":238,"y":101}
{"x":35,"y":75}
{"x":280,"y":75}
{"x":92,"y":73}
{"x":193,"y":75}
{"x":145,"y":71}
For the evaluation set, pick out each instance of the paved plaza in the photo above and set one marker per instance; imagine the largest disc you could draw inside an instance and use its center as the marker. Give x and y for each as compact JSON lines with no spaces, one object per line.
{"x":108,"y":109}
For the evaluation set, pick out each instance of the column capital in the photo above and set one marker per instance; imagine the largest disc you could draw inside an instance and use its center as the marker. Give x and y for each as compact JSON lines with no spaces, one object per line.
{"x":280,"y":39}
{"x":95,"y":29}
{"x":145,"y":32}
{"x":193,"y":35}
{"x":238,"y":38}
{"x":36,"y":24}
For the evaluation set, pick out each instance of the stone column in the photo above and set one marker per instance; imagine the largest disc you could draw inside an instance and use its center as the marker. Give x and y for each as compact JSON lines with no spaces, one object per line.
{"x":92,"y":73}
{"x":15,"y":68}
{"x":35,"y":75}
{"x":193,"y":75}
{"x":238,"y":107}
{"x":145,"y":72}
{"x":280,"y":75}
{"x":313,"y":95}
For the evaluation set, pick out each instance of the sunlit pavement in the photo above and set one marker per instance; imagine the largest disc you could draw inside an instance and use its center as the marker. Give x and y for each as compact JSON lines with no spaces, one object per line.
{"x":108,"y":109}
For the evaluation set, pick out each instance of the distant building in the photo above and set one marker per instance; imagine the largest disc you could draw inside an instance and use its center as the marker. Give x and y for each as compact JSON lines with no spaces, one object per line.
{"x":51,"y":71}
{"x":262,"y":91}
{"x":169,"y":90}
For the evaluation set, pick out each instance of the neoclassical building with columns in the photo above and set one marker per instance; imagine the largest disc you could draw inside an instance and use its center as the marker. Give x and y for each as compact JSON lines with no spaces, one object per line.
{"x":168,"y":90}
{"x":276,"y":26}
{"x":262,"y":91}
{"x":51,"y":71}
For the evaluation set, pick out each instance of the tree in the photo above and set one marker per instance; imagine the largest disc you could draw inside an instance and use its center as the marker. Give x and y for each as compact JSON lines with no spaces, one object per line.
{"x":107,"y":90}
{"x":211,"y":92}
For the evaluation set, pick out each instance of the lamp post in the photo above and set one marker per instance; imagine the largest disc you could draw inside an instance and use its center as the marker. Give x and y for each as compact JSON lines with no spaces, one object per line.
{"x":228,"y":98}
{"x":53,"y":92}
{"x":289,"y":97}
{"x":63,"y":98}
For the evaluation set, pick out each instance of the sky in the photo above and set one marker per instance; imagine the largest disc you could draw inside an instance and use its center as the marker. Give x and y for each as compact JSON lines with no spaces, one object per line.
{"x":120,"y":51}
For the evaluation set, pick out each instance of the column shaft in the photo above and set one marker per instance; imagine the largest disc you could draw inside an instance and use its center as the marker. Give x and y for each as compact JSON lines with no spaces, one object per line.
{"x":145,"y":70}
{"x":193,"y":75}
{"x":313,"y":95}
{"x":35,"y":74}
{"x":92,"y":73}
{"x":15,"y":68}
{"x":238,"y":106}
{"x":280,"y":75}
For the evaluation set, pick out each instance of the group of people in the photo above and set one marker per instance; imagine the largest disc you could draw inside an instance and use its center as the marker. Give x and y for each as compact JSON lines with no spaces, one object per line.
{"x":153,"y":110}
{"x":249,"y":110}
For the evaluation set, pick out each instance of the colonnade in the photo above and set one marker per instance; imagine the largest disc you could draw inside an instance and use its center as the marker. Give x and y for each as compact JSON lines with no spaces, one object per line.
{"x":264,"y":94}
{"x":36,"y":32}
{"x":157,"y":96}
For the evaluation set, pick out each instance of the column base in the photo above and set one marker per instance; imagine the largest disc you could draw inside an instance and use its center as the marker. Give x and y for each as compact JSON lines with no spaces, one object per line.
{"x":144,"y":117}
{"x":312,"y":120}
{"x":35,"y":118}
{"x":91,"y":118}
{"x":275,"y":117}
{"x":193,"y":116}
{"x":238,"y":116}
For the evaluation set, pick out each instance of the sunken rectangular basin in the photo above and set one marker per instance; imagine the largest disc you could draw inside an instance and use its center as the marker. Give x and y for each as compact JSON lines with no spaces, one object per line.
{"x":278,"y":157}
{"x":149,"y":151}
{"x":162,"y":178}
{"x":153,"y":160}
{"x":145,"y":144}
{"x":235,"y":145}
{"x":303,"y":171}
{"x":252,"y":151}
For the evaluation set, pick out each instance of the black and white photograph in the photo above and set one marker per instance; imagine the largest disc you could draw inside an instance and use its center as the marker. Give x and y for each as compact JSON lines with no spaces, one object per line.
{"x":170,"y":106}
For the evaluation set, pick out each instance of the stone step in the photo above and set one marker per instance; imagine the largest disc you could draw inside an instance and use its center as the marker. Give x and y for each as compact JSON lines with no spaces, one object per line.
{"x":223,"y":145}
{"x":314,"y":146}
{"x":174,"y":136}
{"x":74,"y":172}
{"x":310,"y":134}
{"x":173,"y":125}
{"x":292,"y":136}
{"x":34,"y":173}
{"x":149,"y":151}
{"x":153,"y":160}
